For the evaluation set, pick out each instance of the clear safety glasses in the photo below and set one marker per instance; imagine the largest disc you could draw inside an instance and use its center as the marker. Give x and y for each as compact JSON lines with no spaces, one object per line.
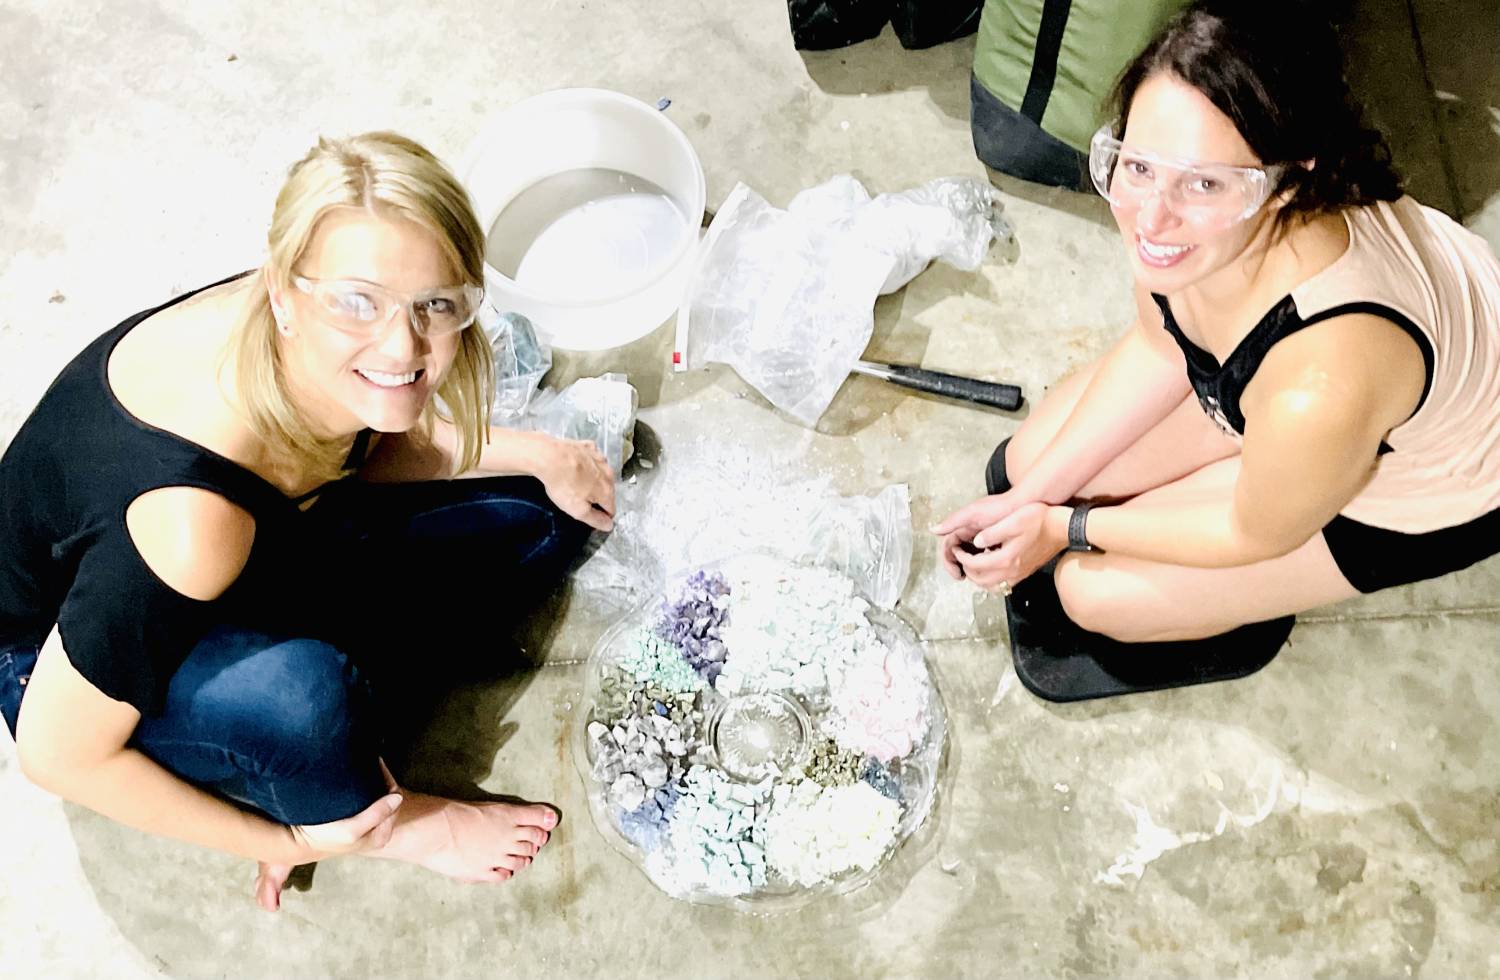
{"x":361,"y":307}
{"x":1209,"y":195}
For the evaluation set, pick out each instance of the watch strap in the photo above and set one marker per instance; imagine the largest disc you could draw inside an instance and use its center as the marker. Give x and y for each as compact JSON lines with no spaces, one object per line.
{"x":1078,"y":528}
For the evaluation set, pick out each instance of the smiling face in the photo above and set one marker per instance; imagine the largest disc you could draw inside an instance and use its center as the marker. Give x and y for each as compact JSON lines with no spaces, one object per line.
{"x":1170,"y":119}
{"x":384,"y":377}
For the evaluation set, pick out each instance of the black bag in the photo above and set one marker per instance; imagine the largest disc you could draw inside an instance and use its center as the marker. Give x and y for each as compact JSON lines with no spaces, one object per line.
{"x":925,"y":23}
{"x":818,"y":25}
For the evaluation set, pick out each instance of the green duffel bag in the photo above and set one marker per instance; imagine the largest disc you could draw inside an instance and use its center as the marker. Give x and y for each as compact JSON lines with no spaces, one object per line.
{"x":1042,"y":68}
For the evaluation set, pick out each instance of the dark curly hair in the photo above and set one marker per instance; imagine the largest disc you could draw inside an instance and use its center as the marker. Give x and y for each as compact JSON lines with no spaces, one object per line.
{"x":1275,"y":68}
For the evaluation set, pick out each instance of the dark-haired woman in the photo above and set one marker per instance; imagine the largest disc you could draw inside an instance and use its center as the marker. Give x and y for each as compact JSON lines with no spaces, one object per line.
{"x":1308,"y":404}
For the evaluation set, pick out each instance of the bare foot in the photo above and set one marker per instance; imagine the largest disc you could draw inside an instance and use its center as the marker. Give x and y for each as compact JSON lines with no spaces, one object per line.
{"x":269,"y":880}
{"x":467,"y":841}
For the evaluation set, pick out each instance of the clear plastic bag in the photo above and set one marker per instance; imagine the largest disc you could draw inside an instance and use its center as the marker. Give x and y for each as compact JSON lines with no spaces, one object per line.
{"x":786,"y":297}
{"x":600,"y":410}
{"x":678,"y":519}
{"x":787,"y":304}
{"x":521,"y":361}
{"x":867,"y":539}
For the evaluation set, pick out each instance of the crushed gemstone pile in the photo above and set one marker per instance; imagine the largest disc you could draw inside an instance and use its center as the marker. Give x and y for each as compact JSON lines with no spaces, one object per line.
{"x":661,"y":732}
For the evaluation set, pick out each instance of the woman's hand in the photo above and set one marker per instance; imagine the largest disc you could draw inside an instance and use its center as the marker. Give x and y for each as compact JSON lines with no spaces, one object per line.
{"x":1012,"y":548}
{"x":957,"y":531}
{"x":368,"y":830}
{"x":578,"y":479}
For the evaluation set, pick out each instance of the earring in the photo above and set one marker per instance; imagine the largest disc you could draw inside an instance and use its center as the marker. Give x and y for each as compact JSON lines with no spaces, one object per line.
{"x":281,"y":324}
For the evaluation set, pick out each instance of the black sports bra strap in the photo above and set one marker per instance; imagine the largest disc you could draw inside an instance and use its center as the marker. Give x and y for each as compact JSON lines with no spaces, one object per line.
{"x":1199,"y":361}
{"x":352,"y":462}
{"x":358,"y":451}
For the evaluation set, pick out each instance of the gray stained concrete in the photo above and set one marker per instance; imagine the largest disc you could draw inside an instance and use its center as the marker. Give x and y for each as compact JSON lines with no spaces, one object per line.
{"x":1332,"y":816}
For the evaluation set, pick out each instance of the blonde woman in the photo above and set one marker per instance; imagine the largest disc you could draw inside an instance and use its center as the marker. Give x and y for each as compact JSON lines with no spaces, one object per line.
{"x":230,"y":510}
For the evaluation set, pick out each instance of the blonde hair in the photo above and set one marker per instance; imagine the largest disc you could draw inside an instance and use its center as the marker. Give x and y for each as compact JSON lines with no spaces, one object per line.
{"x":383,"y":173}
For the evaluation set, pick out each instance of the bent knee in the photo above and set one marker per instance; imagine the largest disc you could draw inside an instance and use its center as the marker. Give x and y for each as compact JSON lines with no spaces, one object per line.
{"x":296,"y":692}
{"x":1022,"y":450}
{"x":1101,"y":601}
{"x":1043,"y":423}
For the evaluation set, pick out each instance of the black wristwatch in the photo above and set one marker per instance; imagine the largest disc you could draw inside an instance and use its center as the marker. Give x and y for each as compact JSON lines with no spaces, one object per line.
{"x":1078,"y":528}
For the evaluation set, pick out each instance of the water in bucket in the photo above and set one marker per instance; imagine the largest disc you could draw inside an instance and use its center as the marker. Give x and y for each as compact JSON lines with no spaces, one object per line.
{"x":586,"y":234}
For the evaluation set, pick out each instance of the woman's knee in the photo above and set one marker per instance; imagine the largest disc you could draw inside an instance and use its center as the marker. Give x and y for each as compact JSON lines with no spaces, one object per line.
{"x":1100,"y":601}
{"x":511,"y":517}
{"x":552,"y":543}
{"x":1021,"y":451}
{"x":300,"y":694}
{"x":545,"y":545}
{"x":1012,"y":460}
{"x":1015,"y":456}
{"x":570,"y":535}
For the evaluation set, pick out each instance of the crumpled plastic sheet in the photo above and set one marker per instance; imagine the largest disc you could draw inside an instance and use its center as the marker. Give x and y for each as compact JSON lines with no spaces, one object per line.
{"x":786,"y":297}
{"x":866,"y":538}
{"x":952,"y":219}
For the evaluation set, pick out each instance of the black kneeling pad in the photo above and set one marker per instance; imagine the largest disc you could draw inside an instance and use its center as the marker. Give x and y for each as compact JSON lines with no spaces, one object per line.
{"x":1058,"y":660}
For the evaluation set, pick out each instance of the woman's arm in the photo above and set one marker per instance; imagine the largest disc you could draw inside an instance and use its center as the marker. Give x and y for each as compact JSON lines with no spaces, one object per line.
{"x":89,"y":764}
{"x":1136,"y":385}
{"x":1315,"y":415}
{"x":73,"y":740}
{"x":575,"y":474}
{"x":403,"y":457}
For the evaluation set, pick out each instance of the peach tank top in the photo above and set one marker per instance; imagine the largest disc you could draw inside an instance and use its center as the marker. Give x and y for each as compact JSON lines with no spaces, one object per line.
{"x":1444,"y":465}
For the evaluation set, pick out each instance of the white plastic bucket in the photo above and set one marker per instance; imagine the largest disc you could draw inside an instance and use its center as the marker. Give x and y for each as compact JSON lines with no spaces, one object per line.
{"x":577,"y":130}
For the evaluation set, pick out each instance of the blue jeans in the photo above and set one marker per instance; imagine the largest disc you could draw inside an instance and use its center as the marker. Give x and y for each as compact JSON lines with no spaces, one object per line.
{"x":288,"y":724}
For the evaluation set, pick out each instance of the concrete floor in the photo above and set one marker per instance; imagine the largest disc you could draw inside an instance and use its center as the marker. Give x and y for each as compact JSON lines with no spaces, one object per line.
{"x":1335,"y":815}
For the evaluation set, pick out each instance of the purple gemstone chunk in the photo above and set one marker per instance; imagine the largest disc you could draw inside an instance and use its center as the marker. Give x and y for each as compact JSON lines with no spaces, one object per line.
{"x":692,"y":623}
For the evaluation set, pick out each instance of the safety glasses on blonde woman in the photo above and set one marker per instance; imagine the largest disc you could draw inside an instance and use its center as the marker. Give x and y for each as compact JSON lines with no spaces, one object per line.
{"x":362,"y":308}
